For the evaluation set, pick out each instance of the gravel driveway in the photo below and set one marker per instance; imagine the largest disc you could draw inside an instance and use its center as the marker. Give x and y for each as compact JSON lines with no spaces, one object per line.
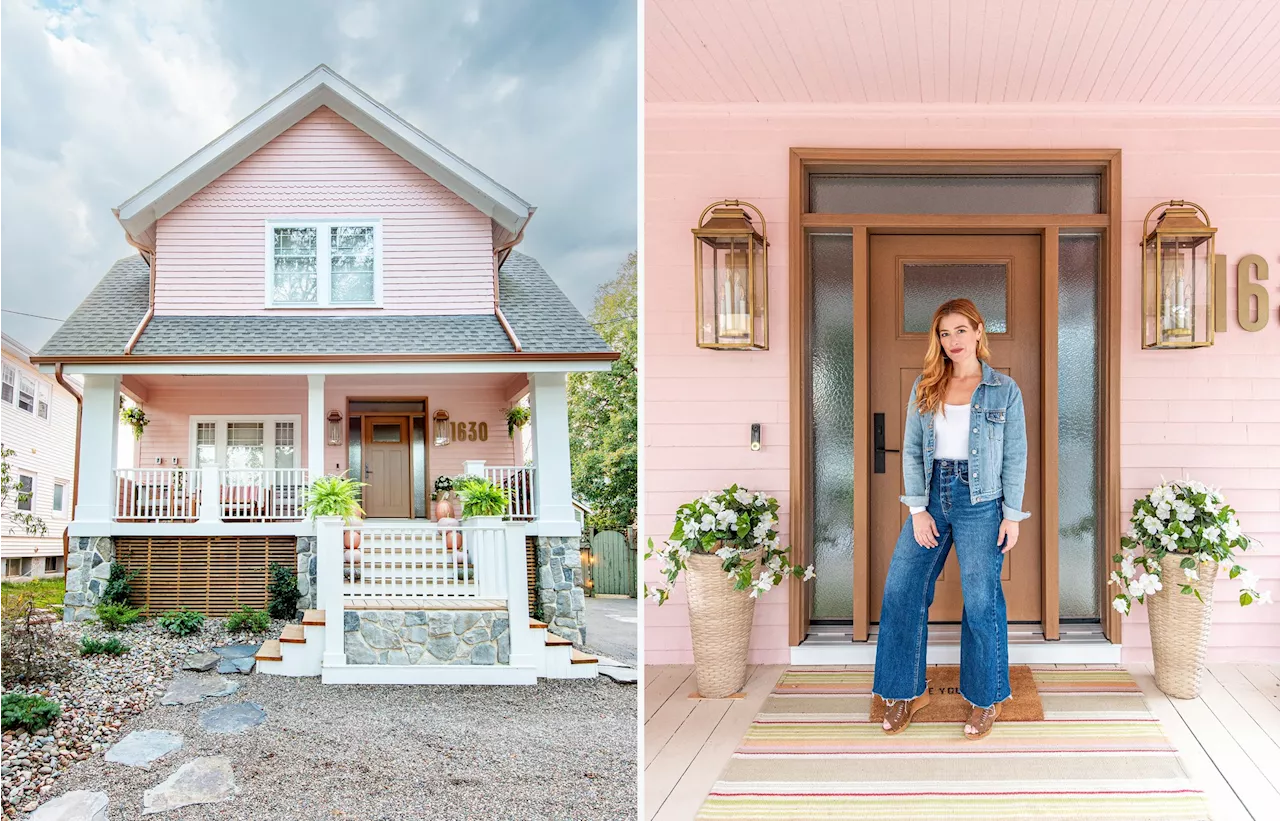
{"x":561,"y":749}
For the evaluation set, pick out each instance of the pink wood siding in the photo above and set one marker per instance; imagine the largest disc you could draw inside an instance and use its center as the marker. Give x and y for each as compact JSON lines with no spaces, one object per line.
{"x":1210,"y":414}
{"x":437,"y":248}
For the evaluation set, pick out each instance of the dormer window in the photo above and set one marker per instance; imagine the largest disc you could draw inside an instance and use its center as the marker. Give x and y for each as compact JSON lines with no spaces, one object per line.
{"x":324,"y":263}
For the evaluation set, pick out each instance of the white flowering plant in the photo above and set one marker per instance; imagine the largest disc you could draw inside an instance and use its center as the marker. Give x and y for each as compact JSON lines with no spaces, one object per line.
{"x":728,"y":525}
{"x":1181,"y":517}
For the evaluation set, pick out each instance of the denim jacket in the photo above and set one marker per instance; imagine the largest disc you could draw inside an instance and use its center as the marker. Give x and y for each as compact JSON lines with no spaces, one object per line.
{"x":997,"y":446}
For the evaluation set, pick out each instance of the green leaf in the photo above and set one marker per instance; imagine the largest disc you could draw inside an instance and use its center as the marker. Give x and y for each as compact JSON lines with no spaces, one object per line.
{"x":1235,"y":571}
{"x":1188,"y":563}
{"x":1245,"y":598}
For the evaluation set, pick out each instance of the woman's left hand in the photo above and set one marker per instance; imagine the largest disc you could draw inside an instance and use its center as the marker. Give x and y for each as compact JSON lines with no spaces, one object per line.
{"x":1008,"y":535}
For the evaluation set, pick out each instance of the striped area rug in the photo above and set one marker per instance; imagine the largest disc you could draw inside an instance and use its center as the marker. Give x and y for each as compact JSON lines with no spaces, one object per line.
{"x":811,"y":753}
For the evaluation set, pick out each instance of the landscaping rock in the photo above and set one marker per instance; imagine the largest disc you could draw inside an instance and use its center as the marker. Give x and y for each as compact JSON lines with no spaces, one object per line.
{"x":141,"y":747}
{"x":622,"y":675}
{"x":241,"y":665}
{"x":206,"y":780}
{"x":200,"y":662}
{"x":233,"y":718}
{"x":81,"y":805}
{"x":238,"y":651}
{"x":192,"y":689}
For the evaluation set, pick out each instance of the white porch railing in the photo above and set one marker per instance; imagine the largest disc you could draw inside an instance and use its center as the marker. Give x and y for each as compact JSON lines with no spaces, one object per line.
{"x":518,"y":480}
{"x":421,"y":561}
{"x":262,"y":494}
{"x":162,"y":494}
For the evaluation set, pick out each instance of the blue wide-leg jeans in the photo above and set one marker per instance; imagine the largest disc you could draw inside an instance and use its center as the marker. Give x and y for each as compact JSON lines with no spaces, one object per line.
{"x":909,"y":589}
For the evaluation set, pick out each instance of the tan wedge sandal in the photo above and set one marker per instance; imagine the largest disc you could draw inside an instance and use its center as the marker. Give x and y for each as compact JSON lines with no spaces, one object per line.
{"x":983,"y":720}
{"x":900,"y":713}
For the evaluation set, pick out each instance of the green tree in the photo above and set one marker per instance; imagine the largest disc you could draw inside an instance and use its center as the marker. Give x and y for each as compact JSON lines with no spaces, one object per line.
{"x":11,"y":493}
{"x":602,"y":410}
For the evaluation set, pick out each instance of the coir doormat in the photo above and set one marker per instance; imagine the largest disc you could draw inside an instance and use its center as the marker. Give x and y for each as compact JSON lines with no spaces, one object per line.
{"x":946,"y":703}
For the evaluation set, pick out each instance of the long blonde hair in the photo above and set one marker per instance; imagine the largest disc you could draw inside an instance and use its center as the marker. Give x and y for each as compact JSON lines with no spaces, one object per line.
{"x":938,"y":367}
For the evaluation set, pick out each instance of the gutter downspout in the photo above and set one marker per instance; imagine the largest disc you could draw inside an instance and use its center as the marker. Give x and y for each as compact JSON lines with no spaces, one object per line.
{"x":505,"y":251}
{"x":149,"y":255}
{"x":75,"y":469}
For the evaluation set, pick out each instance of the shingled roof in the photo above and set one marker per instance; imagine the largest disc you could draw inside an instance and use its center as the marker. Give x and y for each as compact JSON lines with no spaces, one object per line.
{"x":543,"y":318}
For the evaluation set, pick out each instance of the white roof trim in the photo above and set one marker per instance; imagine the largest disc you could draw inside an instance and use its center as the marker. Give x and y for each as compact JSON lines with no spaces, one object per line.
{"x":322,"y":87}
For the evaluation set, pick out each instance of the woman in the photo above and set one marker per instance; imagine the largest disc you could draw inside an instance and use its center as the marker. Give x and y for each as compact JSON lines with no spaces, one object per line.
{"x":964,"y":465}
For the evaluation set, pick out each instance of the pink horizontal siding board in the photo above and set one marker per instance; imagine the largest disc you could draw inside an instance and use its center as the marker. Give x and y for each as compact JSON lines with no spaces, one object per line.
{"x":1209,"y":413}
{"x":437,"y":249}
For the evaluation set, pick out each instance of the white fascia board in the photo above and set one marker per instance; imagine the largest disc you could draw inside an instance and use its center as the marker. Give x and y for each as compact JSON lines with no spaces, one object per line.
{"x":332,"y":368}
{"x":322,"y":87}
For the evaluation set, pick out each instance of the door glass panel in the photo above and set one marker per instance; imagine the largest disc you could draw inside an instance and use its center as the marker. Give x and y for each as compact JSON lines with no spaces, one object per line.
{"x":1079,"y":495}
{"x":831,"y":346}
{"x":955,"y":194}
{"x":926,"y":285}
{"x":388,"y":433}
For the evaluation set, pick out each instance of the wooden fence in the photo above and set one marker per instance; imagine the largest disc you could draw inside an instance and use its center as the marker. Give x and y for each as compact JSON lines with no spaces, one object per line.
{"x":613,"y":564}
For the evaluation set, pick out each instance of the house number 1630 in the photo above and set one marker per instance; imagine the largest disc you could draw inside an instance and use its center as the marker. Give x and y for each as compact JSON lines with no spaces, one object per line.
{"x":470,"y":431}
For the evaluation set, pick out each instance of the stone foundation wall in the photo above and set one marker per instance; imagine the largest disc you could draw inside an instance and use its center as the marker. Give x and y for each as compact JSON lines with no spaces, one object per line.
{"x":560,"y":597}
{"x":89,"y":560}
{"x":306,"y":573}
{"x":427,"y":636}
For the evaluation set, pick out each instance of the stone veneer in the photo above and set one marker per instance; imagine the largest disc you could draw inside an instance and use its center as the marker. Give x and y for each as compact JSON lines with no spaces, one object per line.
{"x":427,"y":636}
{"x":89,"y":561}
{"x":562,"y":603}
{"x":306,"y":573}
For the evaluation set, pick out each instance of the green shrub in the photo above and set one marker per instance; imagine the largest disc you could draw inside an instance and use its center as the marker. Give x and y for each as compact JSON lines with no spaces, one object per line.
{"x":32,"y":712}
{"x":117,"y":616}
{"x":119,"y":584}
{"x":246,"y":618}
{"x":90,"y":646}
{"x":282,"y":592}
{"x":181,"y":622}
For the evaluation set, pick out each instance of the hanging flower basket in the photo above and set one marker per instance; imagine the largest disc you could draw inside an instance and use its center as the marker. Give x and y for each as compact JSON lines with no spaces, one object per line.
{"x":727,"y":545}
{"x":1180,"y":534}
{"x":134,"y":418}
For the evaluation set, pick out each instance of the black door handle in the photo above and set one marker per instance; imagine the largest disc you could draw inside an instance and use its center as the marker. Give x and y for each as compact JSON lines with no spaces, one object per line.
{"x":878,"y":425}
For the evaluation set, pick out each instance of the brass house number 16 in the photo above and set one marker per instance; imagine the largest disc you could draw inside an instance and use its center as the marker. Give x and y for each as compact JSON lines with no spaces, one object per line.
{"x":1253,"y":306}
{"x":470,"y":431}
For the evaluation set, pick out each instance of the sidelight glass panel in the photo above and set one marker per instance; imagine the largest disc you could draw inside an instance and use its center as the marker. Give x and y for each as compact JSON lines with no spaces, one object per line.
{"x":418,"y":441}
{"x":955,"y":194}
{"x":1079,"y":415}
{"x":926,"y":285}
{"x":831,"y":346}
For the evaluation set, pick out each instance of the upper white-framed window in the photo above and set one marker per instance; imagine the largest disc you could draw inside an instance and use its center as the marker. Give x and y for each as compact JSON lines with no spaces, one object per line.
{"x":247,"y":441}
{"x":44,"y":401}
{"x":10,"y":385}
{"x":59,"y":499}
{"x":26,"y":394}
{"x":328,"y":263}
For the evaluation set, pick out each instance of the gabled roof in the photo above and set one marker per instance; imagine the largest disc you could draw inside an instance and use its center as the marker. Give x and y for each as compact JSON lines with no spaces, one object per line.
{"x":543,"y":318}
{"x":321,"y":87}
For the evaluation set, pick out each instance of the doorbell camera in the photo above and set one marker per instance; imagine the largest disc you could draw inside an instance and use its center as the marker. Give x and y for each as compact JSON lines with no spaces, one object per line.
{"x":755,"y":436}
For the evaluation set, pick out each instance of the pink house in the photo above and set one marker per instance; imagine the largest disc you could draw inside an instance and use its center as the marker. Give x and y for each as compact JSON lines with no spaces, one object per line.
{"x":1021,"y":157}
{"x":321,"y":290}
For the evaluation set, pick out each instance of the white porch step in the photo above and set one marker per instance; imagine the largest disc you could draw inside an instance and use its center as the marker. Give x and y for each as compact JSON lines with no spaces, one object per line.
{"x":298,"y":650}
{"x":560,"y":659}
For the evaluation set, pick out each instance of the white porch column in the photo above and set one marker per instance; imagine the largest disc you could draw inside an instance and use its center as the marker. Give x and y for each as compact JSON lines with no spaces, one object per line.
{"x":550,"y":416}
{"x":315,"y":426}
{"x":98,"y":448}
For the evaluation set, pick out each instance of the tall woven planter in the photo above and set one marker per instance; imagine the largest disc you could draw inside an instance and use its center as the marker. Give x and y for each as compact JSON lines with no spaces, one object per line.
{"x":720,"y":620}
{"x":1180,"y":627}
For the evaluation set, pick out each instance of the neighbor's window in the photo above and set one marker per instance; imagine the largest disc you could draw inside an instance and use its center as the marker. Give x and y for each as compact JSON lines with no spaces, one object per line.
{"x":59,"y":497}
{"x":26,"y":394}
{"x":26,"y":492}
{"x":10,"y":377}
{"x":52,"y":564}
{"x":42,"y":401}
{"x":324,"y":264}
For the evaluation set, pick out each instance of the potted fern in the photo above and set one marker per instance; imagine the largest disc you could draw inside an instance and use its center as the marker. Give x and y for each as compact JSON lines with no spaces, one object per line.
{"x":517,"y":417}
{"x":337,"y":496}
{"x":483,"y":502}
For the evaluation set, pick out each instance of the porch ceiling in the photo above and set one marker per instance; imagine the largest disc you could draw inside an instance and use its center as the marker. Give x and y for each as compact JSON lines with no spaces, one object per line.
{"x":1224,"y":53}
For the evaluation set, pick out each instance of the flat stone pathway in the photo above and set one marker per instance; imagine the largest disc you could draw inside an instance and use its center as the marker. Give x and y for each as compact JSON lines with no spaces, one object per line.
{"x":204,"y":780}
{"x":141,"y":747}
{"x":192,"y":689}
{"x":81,"y":805}
{"x":232,"y":718}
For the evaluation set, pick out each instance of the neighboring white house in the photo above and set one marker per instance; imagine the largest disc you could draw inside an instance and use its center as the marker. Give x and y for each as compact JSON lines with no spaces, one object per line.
{"x":38,"y":423}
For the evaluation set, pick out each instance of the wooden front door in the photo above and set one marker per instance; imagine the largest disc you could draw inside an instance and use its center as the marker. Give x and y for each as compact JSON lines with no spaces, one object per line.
{"x":386,"y":467}
{"x":910,"y":276}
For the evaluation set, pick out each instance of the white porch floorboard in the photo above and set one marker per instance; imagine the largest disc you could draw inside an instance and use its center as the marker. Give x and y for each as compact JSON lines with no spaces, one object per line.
{"x":1229,"y":737}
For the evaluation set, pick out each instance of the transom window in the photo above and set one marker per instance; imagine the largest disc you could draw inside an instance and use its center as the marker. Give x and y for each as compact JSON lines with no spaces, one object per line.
{"x":244,"y":442}
{"x":322,"y":264}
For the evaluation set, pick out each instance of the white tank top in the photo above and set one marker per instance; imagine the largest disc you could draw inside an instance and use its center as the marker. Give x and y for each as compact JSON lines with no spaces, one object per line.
{"x":952,"y":433}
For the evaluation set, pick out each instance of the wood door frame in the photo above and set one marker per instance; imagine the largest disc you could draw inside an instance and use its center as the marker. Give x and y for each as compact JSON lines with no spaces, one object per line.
{"x":807,"y":161}
{"x":425,"y":415}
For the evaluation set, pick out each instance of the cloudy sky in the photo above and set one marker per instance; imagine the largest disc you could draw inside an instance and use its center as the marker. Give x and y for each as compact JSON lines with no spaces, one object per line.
{"x":101,"y":98}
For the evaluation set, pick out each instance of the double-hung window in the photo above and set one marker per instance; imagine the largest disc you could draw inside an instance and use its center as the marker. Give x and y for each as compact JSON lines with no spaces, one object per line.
{"x":324,"y":264}
{"x":245,"y":442}
{"x":42,"y":401}
{"x":26,"y":495}
{"x":26,"y":394}
{"x":10,"y":384}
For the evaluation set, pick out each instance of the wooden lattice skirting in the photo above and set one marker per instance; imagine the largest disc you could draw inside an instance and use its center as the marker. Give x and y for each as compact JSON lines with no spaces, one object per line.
{"x":531,"y":564}
{"x":212,"y":574}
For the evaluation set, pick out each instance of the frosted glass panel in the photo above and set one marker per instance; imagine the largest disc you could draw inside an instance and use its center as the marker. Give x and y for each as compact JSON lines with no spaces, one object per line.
{"x":926,"y":285}
{"x":1079,"y":498}
{"x":831,"y":343}
{"x":954,"y":194}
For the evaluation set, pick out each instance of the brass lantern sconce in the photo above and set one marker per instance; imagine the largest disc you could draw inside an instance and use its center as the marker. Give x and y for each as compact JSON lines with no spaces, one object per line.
{"x":440,"y":428}
{"x":1177,"y":277}
{"x":731,"y":278}
{"x":335,"y":427}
